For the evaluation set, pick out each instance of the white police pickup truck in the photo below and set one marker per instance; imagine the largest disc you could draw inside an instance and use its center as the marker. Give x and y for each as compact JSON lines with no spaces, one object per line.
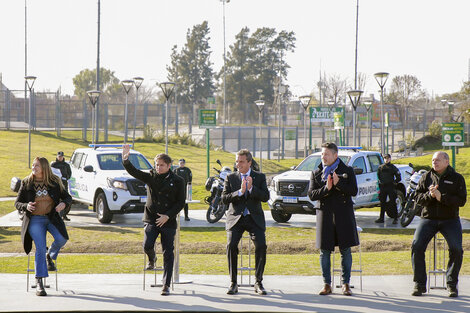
{"x":288,"y":191}
{"x":99,"y":179}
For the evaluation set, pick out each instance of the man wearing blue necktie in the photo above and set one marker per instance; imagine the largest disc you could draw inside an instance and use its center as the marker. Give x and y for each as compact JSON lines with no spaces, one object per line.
{"x":243,"y":192}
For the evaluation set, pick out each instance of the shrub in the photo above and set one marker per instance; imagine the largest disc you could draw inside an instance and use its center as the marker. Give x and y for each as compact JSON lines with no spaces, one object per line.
{"x":435,"y":129}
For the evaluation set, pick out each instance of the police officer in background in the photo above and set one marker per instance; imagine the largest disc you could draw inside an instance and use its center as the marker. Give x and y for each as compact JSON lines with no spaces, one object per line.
{"x":185,"y":173}
{"x":388,"y":175}
{"x":66,"y":172}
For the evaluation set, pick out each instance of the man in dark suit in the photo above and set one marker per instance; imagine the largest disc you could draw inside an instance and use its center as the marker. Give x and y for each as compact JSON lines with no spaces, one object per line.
{"x":336,"y":223}
{"x":244,"y":191}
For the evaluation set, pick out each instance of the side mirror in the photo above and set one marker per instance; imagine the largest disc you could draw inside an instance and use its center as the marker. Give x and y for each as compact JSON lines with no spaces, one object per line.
{"x":410,"y":165}
{"x":88,"y":168}
{"x":293,"y":167}
{"x":358,"y":171}
{"x":218,"y":162}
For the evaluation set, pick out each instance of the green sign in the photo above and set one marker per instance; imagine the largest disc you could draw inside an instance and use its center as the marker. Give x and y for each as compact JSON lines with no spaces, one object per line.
{"x":339,"y":120}
{"x":290,"y":134}
{"x":452,"y":134}
{"x":323,"y":114}
{"x":387,"y":119}
{"x":207,"y":118}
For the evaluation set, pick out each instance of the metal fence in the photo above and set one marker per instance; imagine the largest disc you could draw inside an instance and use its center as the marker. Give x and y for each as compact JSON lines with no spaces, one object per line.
{"x":52,"y":111}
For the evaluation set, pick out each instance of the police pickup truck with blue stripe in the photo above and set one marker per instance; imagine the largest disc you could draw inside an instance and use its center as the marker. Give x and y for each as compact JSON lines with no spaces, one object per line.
{"x":288,"y":191}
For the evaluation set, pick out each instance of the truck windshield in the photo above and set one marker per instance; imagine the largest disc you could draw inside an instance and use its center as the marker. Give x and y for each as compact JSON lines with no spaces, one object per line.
{"x":311,"y":163}
{"x":113,"y":162}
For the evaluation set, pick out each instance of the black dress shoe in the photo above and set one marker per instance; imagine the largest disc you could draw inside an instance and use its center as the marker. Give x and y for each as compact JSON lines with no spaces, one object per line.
{"x":40,"y":291}
{"x":50,"y":264}
{"x":233,"y":289}
{"x":165,"y":290}
{"x":418,"y":290}
{"x":259,"y":289}
{"x":187,"y":218}
{"x":150,"y":265}
{"x":65,"y":218}
{"x":379,"y":220}
{"x":395,"y":221}
{"x":453,"y":292}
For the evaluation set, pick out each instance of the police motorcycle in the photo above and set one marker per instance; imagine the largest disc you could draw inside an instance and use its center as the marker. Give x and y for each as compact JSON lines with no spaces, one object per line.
{"x":411,"y":208}
{"x":215,"y":184}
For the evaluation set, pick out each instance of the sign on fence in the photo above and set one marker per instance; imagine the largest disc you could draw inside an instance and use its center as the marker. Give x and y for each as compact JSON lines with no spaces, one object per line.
{"x":452,"y":134}
{"x":323,"y":114}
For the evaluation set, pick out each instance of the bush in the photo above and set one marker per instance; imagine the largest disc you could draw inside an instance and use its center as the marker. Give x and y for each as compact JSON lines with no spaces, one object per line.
{"x":435,"y":129}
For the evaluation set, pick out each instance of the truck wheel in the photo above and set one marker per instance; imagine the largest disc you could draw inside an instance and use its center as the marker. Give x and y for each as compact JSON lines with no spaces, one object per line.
{"x":400,"y":203}
{"x":280,"y":217}
{"x":102,"y":210}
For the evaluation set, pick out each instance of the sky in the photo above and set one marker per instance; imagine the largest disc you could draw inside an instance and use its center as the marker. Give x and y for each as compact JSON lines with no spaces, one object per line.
{"x":425,"y":38}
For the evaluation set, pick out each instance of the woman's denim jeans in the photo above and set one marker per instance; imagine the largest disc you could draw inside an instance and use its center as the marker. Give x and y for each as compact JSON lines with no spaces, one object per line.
{"x":38,"y":227}
{"x":346,"y":264}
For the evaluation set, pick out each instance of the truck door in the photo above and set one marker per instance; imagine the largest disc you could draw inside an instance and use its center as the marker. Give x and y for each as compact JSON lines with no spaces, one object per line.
{"x":362,"y":180}
{"x":375,"y":160}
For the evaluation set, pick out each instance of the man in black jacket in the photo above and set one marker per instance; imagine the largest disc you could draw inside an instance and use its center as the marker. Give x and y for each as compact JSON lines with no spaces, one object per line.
{"x":388,"y":175}
{"x":66,"y":172}
{"x":440,"y":192}
{"x":334,"y":184}
{"x":244,"y":191}
{"x":185,"y":173}
{"x":165,"y":199}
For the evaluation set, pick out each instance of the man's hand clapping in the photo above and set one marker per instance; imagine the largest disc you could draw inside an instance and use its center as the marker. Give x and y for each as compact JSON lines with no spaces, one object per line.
{"x":125,"y":151}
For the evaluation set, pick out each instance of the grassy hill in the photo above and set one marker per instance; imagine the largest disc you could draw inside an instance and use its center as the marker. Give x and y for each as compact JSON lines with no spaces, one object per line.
{"x":14,"y":156}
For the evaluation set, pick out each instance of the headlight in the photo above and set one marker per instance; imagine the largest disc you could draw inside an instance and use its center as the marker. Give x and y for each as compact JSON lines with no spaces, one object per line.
{"x":118,"y":184}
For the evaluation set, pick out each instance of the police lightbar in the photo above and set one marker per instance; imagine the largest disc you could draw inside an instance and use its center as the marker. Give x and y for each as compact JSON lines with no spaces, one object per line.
{"x":349,"y":148}
{"x":94,"y":146}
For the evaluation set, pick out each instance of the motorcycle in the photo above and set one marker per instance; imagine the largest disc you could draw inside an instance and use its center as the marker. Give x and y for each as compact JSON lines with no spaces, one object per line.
{"x":215,"y":184}
{"x":411,"y":208}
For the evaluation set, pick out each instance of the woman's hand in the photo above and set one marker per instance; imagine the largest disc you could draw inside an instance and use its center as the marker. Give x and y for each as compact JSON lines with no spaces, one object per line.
{"x":125,"y":152}
{"x":31,"y":206}
{"x":60,"y":207}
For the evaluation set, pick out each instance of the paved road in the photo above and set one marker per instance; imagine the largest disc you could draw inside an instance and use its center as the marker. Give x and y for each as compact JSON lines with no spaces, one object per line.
{"x":81,"y":217}
{"x":123,"y":292}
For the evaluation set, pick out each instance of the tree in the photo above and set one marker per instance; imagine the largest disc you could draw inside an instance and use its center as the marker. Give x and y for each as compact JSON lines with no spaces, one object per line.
{"x":405,"y":90}
{"x":336,"y":88}
{"x":253,"y":63}
{"x":191,"y":68}
{"x":86,"y":80}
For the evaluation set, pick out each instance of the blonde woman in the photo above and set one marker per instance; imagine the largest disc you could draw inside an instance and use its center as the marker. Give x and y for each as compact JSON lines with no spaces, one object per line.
{"x":41,"y":197}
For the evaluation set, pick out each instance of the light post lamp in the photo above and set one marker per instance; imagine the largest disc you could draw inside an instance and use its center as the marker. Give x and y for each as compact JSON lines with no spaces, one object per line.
{"x":93,"y":95}
{"x":381,"y":78}
{"x":30,"y":82}
{"x":225,"y":60}
{"x":137,"y":82}
{"x":127,"y":85}
{"x":354,"y":97}
{"x":368,"y":105}
{"x":305,"y":101}
{"x":260,"y":106}
{"x":167,"y":88}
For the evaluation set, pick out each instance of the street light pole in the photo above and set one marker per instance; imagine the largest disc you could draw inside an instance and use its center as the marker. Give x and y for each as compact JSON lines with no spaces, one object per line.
{"x":167,"y":88}
{"x":381,"y":78}
{"x":225,"y":60}
{"x":305,"y":101}
{"x":368,"y":105}
{"x":30,"y":82}
{"x":137,"y":82}
{"x":260,"y":106}
{"x":354,"y":97}
{"x":127,"y":85}
{"x":93,"y":95}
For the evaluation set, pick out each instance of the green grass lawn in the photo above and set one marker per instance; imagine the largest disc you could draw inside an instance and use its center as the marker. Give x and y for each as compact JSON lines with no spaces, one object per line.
{"x":14,"y":157}
{"x":119,"y":250}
